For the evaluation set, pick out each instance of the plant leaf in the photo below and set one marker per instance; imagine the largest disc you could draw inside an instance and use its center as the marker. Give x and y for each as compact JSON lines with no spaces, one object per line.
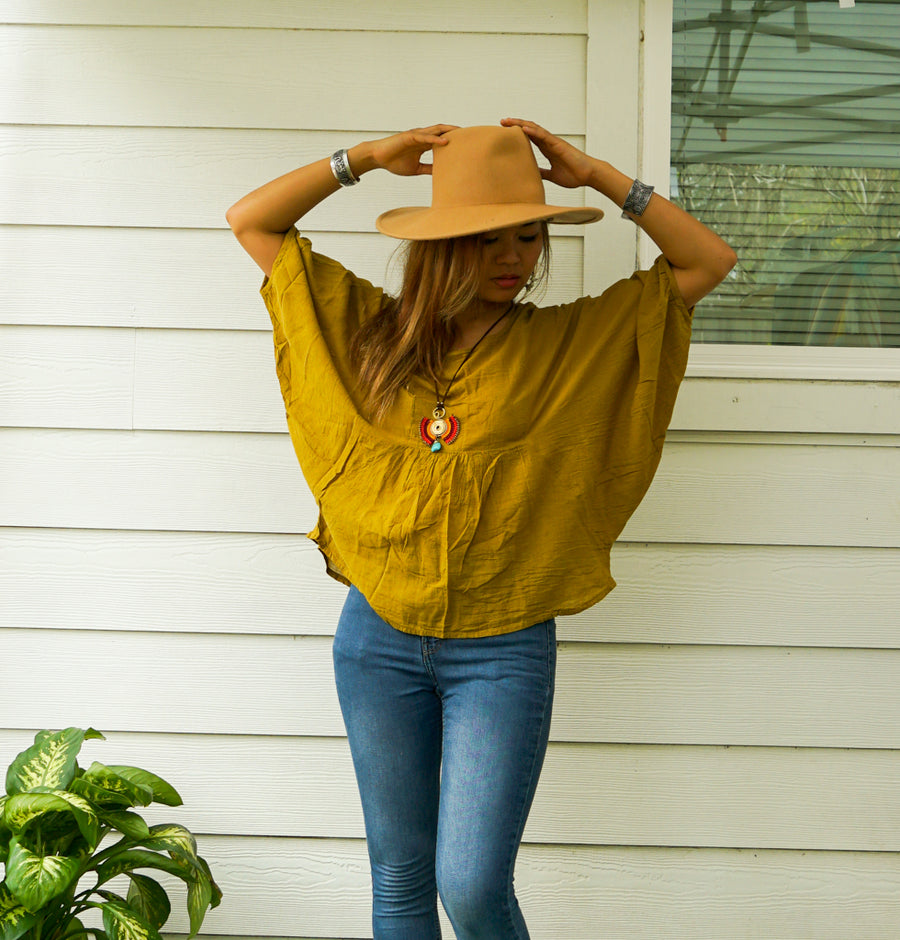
{"x":163,"y":792}
{"x":149,"y":899}
{"x":5,"y":833}
{"x":22,"y":809}
{"x":169,"y":837}
{"x":36,"y":879}
{"x":129,"y":859}
{"x":131,"y":824}
{"x":216,"y":890}
{"x":75,"y":928}
{"x":116,"y":788}
{"x":49,"y":762}
{"x":14,"y":919}
{"x":199,"y":899}
{"x":122,"y":923}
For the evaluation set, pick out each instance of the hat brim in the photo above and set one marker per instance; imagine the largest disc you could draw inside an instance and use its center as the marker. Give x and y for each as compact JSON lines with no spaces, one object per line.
{"x":424,"y":223}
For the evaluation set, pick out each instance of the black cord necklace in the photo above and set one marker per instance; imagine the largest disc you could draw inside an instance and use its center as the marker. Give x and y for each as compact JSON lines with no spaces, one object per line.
{"x":442,"y":428}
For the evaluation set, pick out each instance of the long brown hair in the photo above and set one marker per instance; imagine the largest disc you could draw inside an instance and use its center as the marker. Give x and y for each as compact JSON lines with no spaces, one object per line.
{"x":415,"y":330}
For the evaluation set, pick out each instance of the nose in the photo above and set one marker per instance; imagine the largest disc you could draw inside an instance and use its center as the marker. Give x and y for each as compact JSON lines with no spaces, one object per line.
{"x":507,"y":251}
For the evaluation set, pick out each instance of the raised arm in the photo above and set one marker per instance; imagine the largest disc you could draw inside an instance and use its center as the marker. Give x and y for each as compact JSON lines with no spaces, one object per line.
{"x":699,"y":258}
{"x":261,"y":218}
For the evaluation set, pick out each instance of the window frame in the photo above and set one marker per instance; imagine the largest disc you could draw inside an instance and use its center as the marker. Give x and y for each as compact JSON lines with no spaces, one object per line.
{"x":743,"y":360}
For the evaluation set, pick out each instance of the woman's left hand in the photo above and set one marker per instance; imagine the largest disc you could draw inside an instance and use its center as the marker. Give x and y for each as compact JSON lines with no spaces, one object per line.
{"x":569,"y":166}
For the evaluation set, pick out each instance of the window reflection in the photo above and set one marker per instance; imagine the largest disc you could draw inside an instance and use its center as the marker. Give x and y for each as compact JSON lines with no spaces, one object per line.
{"x":785,"y":124}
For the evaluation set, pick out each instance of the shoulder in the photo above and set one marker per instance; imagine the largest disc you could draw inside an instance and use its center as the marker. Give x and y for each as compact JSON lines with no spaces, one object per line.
{"x":302,"y":276}
{"x":654,"y":285}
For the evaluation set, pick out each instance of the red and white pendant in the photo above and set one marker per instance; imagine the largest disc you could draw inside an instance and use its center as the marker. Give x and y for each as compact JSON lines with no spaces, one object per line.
{"x":439,"y":429}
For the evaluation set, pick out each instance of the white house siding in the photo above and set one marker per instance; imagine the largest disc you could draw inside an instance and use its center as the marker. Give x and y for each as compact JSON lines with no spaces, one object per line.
{"x":726,"y":745}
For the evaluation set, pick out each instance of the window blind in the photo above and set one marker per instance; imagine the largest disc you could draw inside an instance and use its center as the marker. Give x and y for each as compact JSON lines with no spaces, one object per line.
{"x":786,"y":140}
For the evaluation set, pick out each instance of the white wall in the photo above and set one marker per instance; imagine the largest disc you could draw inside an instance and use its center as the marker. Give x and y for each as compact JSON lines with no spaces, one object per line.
{"x":725,"y":745}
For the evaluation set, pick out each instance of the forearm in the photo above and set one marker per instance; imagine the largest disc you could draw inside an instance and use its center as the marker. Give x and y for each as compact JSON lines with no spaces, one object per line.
{"x":700,"y":258}
{"x":274,"y":207}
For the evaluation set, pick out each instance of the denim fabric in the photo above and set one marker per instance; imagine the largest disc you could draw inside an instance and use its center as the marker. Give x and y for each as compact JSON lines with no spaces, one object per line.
{"x":448,"y":738}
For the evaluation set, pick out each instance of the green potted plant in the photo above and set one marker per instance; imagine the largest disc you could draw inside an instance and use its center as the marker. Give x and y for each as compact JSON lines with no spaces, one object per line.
{"x":66,"y":833}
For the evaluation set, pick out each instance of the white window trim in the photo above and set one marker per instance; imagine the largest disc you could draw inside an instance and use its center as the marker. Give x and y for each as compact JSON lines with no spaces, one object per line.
{"x":728,"y":359}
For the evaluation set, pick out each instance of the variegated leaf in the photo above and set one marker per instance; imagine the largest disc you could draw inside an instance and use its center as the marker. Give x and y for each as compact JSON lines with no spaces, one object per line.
{"x":169,"y":837}
{"x":122,"y":923}
{"x":35,"y":879}
{"x":49,"y":762}
{"x":199,"y":898}
{"x":163,"y":792}
{"x":216,"y":899}
{"x":14,"y":919}
{"x":149,"y":899}
{"x":115,"y":788}
{"x":131,"y":859}
{"x":130,"y":824}
{"x":22,"y":808}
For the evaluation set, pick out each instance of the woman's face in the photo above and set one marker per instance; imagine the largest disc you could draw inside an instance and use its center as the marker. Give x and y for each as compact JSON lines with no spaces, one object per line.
{"x":508,"y":256}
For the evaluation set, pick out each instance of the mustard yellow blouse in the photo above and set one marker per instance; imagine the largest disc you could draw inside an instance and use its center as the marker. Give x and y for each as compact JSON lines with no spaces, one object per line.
{"x":563,"y":413}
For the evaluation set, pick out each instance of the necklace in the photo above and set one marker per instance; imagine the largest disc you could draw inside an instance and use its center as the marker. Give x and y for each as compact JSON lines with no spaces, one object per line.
{"x":442,"y":428}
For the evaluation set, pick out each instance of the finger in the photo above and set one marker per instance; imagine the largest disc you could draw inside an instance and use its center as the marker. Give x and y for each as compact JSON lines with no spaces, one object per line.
{"x":527,"y":126}
{"x":429,"y":140}
{"x":435,"y":132}
{"x":423,"y":169}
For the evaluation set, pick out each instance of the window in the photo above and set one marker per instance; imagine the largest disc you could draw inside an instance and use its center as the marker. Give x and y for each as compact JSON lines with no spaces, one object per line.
{"x":786,"y":139}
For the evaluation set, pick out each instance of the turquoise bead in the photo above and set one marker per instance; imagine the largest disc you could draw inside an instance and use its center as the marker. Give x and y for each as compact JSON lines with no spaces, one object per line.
{"x":435,"y":447}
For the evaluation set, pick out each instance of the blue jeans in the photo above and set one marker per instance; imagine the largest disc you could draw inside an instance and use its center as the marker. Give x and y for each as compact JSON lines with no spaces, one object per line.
{"x":448,"y":738}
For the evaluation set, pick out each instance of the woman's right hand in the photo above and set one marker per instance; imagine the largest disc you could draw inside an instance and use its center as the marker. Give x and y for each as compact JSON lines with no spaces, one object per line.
{"x":401,"y":153}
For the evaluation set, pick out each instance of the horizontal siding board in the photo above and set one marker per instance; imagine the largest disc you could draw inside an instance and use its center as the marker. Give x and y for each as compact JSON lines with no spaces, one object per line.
{"x":708,"y":404}
{"x":832,"y":364}
{"x":188,"y":279}
{"x":716,"y":797}
{"x":153,"y":480}
{"x":789,"y":494}
{"x":283,"y":78}
{"x":275,"y":584}
{"x":224,"y":380}
{"x":74,"y":377}
{"x":186,"y":177}
{"x":526,"y":16}
{"x":773,"y":494}
{"x":145,"y":277}
{"x":624,"y":693}
{"x":729,"y":695}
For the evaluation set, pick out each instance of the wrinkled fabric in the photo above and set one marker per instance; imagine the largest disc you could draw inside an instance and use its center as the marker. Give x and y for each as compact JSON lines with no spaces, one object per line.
{"x":563,"y":413}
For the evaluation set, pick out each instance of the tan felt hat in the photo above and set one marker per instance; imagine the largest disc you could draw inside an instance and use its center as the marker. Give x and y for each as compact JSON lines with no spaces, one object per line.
{"x":484,"y":178}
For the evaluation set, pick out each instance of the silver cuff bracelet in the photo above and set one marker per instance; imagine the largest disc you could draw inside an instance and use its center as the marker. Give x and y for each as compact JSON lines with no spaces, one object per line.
{"x":340,"y":166}
{"x":637,"y":199}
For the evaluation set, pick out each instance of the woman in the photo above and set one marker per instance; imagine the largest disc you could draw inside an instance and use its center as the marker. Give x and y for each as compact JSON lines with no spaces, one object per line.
{"x":473,"y":458}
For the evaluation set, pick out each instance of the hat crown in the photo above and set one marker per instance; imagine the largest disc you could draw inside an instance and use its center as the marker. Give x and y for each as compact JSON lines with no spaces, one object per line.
{"x":486,"y":166}
{"x":483,"y":179}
